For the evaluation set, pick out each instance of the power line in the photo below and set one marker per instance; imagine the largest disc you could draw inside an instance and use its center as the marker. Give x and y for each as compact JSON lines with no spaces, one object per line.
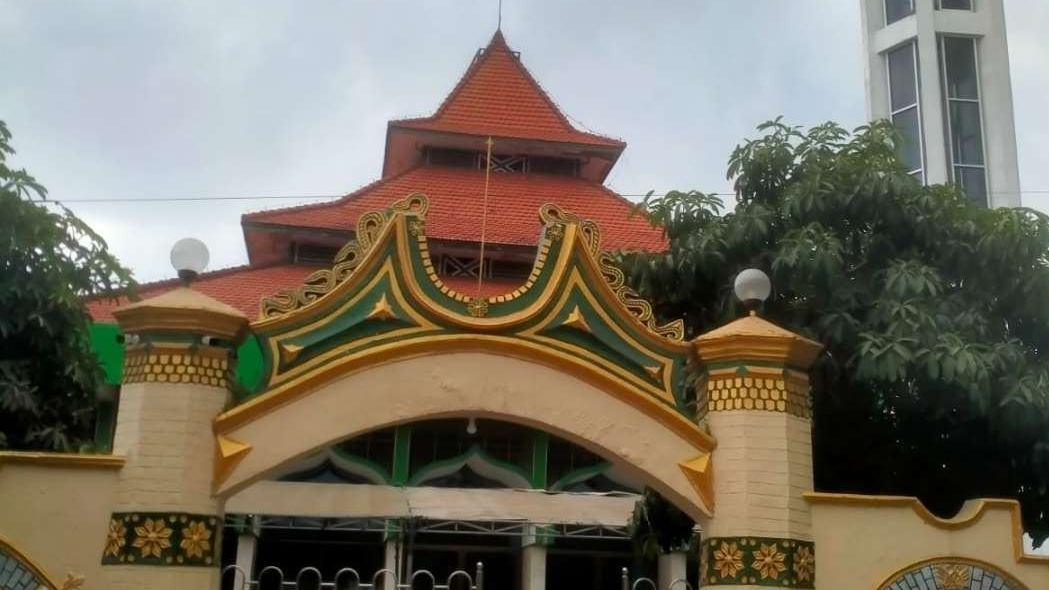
{"x":339,"y":196}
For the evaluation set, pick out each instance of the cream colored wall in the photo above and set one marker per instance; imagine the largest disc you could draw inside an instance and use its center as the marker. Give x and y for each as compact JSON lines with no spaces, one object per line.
{"x":58,"y":516}
{"x":860,"y":543}
{"x":164,"y":430}
{"x":470,"y":384}
{"x":762,"y":466}
{"x":130,"y":577}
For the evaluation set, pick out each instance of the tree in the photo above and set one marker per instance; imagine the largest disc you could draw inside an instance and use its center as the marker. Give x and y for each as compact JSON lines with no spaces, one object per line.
{"x":934,"y":312}
{"x":50,"y":261}
{"x":656,"y":526}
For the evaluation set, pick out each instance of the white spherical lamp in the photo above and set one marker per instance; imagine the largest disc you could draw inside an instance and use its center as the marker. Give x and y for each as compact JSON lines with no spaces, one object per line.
{"x":752,"y":287}
{"x":190,"y":257}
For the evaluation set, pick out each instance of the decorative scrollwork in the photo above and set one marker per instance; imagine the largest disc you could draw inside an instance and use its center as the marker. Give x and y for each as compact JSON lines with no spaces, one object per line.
{"x":320,"y":283}
{"x":553,"y":216}
{"x":554,"y":219}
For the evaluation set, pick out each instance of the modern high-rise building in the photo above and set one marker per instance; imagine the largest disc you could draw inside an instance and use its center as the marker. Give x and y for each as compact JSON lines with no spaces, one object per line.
{"x":939,"y":69}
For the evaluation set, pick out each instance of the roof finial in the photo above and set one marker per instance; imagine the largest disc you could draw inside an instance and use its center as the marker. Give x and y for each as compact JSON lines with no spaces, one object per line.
{"x":499,"y":23}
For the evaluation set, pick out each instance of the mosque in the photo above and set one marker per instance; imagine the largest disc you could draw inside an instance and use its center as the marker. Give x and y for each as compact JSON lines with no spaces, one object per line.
{"x":445,"y":369}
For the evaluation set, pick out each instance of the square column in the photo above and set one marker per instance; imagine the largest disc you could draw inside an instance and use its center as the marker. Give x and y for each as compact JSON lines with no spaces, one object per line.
{"x":165,"y":529}
{"x":754,"y":398}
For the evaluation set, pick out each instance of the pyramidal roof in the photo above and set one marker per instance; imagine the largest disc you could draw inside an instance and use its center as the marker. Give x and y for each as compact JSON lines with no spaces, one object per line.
{"x":499,"y":97}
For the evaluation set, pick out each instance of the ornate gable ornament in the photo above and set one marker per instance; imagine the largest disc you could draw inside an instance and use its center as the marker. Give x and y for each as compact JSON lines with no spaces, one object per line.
{"x":383,"y":298}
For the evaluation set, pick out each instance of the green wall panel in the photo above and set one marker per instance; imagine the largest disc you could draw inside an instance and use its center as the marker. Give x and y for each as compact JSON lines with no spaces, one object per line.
{"x":110,"y":351}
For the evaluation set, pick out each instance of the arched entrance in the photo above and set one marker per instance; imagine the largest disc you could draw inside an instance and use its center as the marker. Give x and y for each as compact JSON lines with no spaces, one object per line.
{"x":379,"y":341}
{"x":478,"y":384}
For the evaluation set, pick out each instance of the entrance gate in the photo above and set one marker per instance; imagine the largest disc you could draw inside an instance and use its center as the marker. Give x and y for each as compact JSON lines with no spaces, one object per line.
{"x":310,"y":578}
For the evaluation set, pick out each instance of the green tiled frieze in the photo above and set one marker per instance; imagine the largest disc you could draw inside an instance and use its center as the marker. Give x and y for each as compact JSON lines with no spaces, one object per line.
{"x":162,"y":538}
{"x":758,"y":561}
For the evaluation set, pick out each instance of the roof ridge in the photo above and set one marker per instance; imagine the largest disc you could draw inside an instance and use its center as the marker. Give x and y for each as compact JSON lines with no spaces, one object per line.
{"x":634,"y":207}
{"x":211,"y":274}
{"x":347,"y":197}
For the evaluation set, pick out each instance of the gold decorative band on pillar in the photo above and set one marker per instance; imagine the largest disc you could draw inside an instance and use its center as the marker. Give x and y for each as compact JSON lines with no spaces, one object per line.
{"x":756,"y":388}
{"x":162,"y":538}
{"x":758,"y":561}
{"x":175,"y":363}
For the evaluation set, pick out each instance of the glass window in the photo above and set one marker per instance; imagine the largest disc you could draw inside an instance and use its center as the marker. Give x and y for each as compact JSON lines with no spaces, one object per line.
{"x":897,"y":9}
{"x":961,"y":81}
{"x":959,"y":60}
{"x":966,"y":140}
{"x":910,"y":151}
{"x":903,"y":85}
{"x":903,"y":96}
{"x":955,"y":4}
{"x":973,"y":180}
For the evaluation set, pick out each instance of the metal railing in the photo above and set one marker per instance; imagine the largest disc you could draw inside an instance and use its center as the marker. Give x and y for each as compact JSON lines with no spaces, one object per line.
{"x":649,"y":584}
{"x":347,"y":578}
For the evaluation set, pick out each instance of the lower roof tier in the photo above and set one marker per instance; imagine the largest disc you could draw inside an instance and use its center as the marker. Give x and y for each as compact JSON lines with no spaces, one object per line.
{"x":456,"y":197}
{"x":243,"y":287}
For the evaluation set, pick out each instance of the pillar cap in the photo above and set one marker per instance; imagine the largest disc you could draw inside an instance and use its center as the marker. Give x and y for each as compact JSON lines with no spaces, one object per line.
{"x":752,"y":338}
{"x":183,"y":310}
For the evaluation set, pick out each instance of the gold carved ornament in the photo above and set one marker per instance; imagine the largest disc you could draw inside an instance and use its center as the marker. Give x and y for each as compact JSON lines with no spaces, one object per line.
{"x":349,"y":257}
{"x":554,"y":219}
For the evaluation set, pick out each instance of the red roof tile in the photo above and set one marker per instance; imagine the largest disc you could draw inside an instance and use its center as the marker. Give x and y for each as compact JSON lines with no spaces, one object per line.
{"x":456,"y":201}
{"x":490,"y":287}
{"x":242,"y":287}
{"x":499,"y":97}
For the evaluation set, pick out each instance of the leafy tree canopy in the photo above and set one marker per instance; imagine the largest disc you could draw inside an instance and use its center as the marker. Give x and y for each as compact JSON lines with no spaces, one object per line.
{"x":934,"y":312}
{"x":50,"y":261}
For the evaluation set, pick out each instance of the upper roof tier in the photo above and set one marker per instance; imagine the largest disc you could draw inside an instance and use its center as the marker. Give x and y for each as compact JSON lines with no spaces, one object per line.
{"x":497,"y":97}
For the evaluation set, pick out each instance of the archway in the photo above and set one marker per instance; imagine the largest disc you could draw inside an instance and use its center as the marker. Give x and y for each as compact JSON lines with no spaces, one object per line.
{"x":445,"y":382}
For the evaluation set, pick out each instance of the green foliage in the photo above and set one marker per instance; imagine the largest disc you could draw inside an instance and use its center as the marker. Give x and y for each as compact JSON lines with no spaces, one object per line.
{"x":49,"y":262}
{"x":657,"y":526}
{"x":934,"y":312}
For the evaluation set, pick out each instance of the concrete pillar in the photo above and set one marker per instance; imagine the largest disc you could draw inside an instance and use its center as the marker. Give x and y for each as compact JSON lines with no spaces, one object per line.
{"x":392,"y":562}
{"x":755,"y":399}
{"x":247,"y":544}
{"x":165,"y":529}
{"x":533,"y":567}
{"x":672,"y":567}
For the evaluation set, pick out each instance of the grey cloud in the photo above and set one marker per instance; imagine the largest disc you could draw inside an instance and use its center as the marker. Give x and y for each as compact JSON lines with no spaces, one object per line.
{"x":154,"y":100}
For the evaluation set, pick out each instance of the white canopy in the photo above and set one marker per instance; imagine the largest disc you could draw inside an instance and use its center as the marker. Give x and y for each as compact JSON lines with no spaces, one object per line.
{"x":371,"y":501}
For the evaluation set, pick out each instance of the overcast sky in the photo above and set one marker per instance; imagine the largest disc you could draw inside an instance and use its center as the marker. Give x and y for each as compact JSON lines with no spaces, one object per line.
{"x":173,"y":99}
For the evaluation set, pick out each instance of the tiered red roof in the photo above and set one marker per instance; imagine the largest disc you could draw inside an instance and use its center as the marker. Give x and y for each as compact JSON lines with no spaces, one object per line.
{"x":499,"y":97}
{"x":496,"y":98}
{"x":457,"y":201}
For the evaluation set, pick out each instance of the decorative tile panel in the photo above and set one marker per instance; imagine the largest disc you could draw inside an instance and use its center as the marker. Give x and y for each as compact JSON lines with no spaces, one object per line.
{"x":149,"y":364}
{"x":951,"y":574}
{"x":162,"y":538}
{"x":772,"y":393}
{"x":758,"y":561}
